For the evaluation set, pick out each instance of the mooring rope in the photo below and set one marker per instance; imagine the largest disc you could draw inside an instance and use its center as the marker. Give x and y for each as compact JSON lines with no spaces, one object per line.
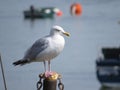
{"x":5,"y":86}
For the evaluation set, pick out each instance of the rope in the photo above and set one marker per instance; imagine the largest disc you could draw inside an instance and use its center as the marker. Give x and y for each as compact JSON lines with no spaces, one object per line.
{"x":3,"y":73}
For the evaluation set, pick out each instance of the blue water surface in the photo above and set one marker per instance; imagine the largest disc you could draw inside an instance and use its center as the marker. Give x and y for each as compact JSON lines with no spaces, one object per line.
{"x":97,"y":27}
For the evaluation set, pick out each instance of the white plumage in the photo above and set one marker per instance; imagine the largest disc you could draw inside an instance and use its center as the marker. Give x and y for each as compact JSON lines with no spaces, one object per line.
{"x":46,"y":48}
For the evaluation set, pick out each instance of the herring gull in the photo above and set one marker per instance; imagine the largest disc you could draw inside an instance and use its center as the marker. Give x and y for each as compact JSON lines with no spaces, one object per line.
{"x":46,"y":48}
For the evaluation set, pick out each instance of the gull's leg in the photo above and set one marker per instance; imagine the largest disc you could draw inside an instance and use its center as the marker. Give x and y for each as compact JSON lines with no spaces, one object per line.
{"x":49,"y":66}
{"x":45,"y":66}
{"x":48,"y":73}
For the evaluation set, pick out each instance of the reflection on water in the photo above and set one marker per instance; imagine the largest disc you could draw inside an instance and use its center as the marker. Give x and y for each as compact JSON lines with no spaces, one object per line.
{"x":108,"y":88}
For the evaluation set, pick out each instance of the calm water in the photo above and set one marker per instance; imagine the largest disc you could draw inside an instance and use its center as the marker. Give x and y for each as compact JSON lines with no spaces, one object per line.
{"x":97,"y":27}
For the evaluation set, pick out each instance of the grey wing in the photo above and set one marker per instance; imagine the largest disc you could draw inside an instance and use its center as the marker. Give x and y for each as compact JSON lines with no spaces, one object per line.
{"x":36,"y":48}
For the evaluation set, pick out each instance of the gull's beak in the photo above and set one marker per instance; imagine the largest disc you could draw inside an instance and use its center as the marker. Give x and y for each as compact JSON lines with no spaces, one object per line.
{"x":66,"y":33}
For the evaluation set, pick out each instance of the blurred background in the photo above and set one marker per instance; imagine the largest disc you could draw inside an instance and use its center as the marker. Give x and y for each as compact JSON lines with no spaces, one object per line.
{"x":98,"y":26}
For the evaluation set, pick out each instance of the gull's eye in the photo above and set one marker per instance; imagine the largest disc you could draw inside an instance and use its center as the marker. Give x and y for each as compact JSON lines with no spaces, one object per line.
{"x":58,"y":30}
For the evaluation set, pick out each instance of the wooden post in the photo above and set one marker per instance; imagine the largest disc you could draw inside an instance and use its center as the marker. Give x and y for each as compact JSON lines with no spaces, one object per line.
{"x":49,"y":84}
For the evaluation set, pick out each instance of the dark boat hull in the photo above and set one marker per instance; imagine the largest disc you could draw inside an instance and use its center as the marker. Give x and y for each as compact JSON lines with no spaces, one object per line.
{"x":39,"y":13}
{"x":108,"y":72}
{"x":109,"y":80}
{"x":28,"y":14}
{"x":108,"y":67}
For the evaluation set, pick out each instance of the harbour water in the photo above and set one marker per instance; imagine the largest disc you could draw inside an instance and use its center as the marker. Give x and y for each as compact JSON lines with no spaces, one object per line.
{"x":97,"y":27}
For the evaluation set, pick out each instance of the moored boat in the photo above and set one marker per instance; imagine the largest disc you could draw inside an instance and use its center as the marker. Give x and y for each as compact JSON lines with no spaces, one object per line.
{"x":108,"y":67}
{"x":45,"y":12}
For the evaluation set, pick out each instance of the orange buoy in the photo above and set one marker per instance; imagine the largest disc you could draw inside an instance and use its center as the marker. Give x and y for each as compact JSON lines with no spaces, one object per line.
{"x":76,"y":9}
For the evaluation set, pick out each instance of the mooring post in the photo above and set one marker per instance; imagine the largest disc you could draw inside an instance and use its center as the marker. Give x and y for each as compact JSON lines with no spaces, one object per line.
{"x":50,"y":83}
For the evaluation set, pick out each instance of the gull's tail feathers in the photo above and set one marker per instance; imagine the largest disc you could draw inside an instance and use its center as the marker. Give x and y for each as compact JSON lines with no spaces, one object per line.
{"x":21,"y":62}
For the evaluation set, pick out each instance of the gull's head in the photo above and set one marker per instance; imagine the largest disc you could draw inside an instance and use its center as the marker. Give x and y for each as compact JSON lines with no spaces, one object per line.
{"x":58,"y":30}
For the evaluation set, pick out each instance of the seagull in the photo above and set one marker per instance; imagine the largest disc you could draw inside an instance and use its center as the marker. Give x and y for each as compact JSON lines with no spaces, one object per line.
{"x":45,"y":49}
